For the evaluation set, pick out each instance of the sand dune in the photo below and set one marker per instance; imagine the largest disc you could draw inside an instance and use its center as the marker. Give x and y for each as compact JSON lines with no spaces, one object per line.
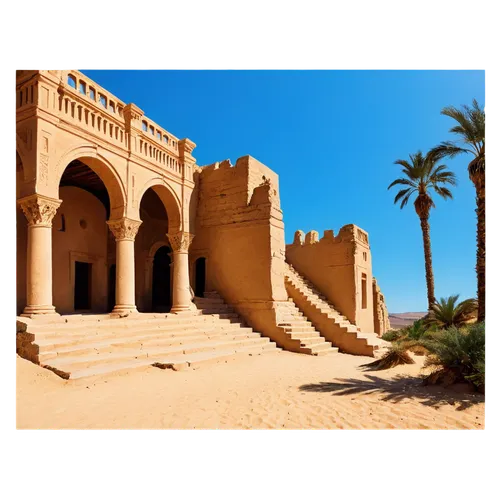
{"x":276,"y":391}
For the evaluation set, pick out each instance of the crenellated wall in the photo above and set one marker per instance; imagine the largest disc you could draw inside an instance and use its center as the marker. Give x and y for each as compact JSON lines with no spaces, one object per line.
{"x":340,"y":267}
{"x":380,"y":313}
{"x":240,"y":232}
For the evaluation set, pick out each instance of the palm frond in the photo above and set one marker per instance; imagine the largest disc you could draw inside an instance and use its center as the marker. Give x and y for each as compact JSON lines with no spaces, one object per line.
{"x":404,"y":182}
{"x":447,"y":149}
{"x":443,"y":192}
{"x":402,"y":193}
{"x":422,"y":174}
{"x":406,"y":199}
{"x":466,"y":127}
{"x":442,"y":181}
{"x":446,"y":312}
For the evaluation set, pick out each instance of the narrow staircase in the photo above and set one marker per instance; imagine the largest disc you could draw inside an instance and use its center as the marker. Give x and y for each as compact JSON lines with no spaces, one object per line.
{"x":78,"y":346}
{"x":332,"y":325}
{"x":301,"y":335}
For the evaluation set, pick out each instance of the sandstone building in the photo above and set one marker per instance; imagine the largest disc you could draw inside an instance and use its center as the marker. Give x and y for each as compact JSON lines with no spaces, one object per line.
{"x":126,"y":247}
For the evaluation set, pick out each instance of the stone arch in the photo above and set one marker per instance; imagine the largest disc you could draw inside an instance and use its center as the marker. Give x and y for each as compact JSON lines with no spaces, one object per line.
{"x":103,"y":168}
{"x":169,"y":199}
{"x":21,"y":150}
{"x":156,"y":246}
{"x":25,"y":172}
{"x":20,"y":172}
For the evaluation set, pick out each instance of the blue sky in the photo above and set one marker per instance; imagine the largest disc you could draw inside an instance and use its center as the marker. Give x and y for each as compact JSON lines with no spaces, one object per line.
{"x":332,"y":137}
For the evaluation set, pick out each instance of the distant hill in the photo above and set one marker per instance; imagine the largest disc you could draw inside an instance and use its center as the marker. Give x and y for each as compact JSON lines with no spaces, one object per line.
{"x":400,"y":320}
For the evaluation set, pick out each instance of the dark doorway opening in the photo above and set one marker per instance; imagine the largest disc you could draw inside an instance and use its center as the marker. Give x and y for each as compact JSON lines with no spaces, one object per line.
{"x":200,"y":277}
{"x":112,"y":287}
{"x":83,"y":285}
{"x":161,"y":280}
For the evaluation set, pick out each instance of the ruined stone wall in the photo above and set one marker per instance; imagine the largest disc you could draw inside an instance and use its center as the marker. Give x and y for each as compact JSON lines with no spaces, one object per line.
{"x":240,"y":232}
{"x":340,"y":267}
{"x":380,"y":313}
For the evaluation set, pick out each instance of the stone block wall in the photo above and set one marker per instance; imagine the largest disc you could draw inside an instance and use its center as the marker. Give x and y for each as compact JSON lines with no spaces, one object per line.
{"x":240,"y":232}
{"x":340,"y":267}
{"x":380,"y":313}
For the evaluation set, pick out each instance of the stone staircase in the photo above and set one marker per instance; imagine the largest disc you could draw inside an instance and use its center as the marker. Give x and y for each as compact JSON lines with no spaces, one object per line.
{"x":333,"y":326}
{"x":300,"y":334}
{"x":80,"y":346}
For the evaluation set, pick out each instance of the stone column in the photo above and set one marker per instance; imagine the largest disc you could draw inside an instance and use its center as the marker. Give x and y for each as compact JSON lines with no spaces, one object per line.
{"x":181,"y":300}
{"x":125,"y":231}
{"x":39,"y":210}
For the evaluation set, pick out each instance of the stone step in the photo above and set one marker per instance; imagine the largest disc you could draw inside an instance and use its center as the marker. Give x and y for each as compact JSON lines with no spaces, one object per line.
{"x":332,"y":350}
{"x":348,"y":327}
{"x":320,"y":346}
{"x":165,"y":326}
{"x":136,"y":329}
{"x":231,"y":316}
{"x":122,"y":354}
{"x":50,"y":319}
{"x":304,"y":335}
{"x":290,"y":317}
{"x":119,"y":323}
{"x":208,"y":300}
{"x":319,"y":349}
{"x":71,"y":338}
{"x":371,"y":339}
{"x":295,"y":322}
{"x":225,"y":311}
{"x":297,"y":329}
{"x":177,"y":362}
{"x":308,"y":341}
{"x":93,"y":345}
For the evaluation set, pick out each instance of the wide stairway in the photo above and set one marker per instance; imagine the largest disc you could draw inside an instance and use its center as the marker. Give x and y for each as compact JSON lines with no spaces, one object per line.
{"x":335,"y":327}
{"x":83,"y":346}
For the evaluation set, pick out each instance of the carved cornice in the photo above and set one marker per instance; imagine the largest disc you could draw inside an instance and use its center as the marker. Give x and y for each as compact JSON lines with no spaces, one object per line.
{"x":187,"y":145}
{"x":124,"y":229}
{"x":180,"y":241}
{"x":39,"y":210}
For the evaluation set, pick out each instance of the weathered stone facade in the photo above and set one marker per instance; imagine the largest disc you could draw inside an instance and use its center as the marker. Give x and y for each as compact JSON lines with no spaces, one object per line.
{"x":115,"y":216}
{"x":340,"y":267}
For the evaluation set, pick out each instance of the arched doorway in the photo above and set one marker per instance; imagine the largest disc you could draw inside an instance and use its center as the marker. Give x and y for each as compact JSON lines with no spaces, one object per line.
{"x":81,"y":237}
{"x":161,"y":297}
{"x":200,"y":271}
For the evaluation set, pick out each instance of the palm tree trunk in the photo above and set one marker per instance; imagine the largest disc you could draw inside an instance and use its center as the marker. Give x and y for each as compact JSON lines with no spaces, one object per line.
{"x":429,"y":275}
{"x":481,"y":246}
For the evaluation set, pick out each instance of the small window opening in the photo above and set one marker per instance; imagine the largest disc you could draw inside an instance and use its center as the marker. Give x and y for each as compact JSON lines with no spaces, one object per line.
{"x":72,"y":81}
{"x":83,"y":88}
{"x":92,"y":93}
{"x":363,"y":292}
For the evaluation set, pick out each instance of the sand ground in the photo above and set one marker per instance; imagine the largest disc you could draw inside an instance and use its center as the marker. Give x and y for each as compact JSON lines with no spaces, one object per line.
{"x":281,"y":390}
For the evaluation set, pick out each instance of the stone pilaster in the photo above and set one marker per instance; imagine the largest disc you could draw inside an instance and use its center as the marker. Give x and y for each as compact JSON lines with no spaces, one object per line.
{"x":39,"y":211}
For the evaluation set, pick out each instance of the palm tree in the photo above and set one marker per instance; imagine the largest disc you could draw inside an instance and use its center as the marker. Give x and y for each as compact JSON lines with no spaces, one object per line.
{"x":470,"y":131}
{"x":447,"y":312}
{"x":422,"y":175}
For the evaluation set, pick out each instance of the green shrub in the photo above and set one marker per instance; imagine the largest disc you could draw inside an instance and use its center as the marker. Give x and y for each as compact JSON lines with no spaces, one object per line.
{"x":416,"y":331}
{"x":459,"y":352}
{"x":392,"y":335}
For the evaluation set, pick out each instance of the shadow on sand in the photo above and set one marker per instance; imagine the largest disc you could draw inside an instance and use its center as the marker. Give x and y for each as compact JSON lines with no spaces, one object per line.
{"x":397,"y":389}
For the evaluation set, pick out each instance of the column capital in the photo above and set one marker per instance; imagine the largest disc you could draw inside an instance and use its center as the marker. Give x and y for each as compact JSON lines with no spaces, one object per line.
{"x":39,"y":209}
{"x":180,"y":241}
{"x":124,"y":228}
